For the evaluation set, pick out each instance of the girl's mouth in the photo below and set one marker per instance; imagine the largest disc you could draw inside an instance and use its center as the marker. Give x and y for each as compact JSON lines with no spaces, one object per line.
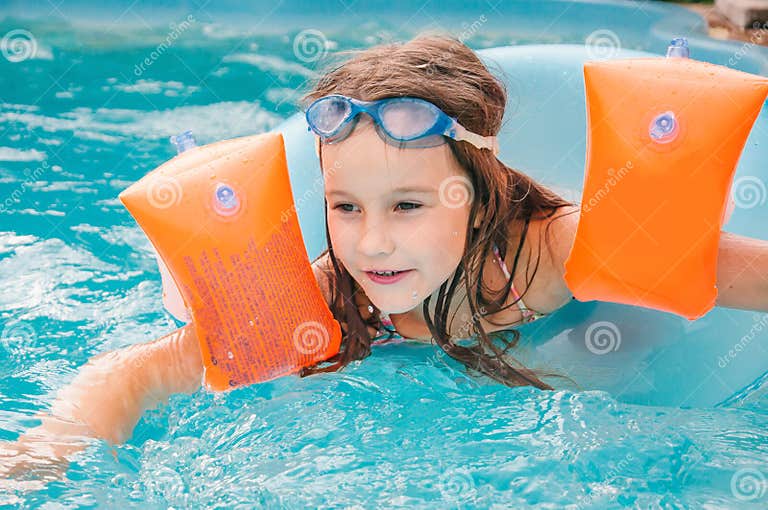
{"x":387,"y":277}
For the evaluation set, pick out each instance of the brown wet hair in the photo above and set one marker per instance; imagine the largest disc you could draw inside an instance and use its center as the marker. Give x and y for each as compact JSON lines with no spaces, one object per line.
{"x":447,"y":73}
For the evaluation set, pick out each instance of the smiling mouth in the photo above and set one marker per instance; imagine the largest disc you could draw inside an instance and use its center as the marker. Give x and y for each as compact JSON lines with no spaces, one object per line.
{"x":387,"y":276}
{"x":387,"y":273}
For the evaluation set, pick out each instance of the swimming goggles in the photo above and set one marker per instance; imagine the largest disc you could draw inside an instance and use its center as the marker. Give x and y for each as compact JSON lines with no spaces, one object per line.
{"x":401,"y":121}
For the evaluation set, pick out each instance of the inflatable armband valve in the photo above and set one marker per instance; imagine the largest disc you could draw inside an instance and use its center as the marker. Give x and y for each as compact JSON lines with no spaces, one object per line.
{"x":664,"y":138}
{"x":222,"y":219}
{"x":679,"y":48}
{"x":184,"y":141}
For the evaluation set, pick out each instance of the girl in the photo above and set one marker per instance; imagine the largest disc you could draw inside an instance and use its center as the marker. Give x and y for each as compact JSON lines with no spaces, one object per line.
{"x":430,"y":237}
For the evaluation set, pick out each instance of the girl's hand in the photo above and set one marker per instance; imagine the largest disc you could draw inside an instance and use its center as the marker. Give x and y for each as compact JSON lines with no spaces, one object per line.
{"x":40,"y":455}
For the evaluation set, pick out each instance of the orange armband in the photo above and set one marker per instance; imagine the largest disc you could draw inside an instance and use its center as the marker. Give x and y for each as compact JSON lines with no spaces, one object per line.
{"x":664,"y":138}
{"x":222,"y":219}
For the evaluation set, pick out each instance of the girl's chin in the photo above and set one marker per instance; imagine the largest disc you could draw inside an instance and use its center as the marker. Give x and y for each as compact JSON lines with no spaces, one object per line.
{"x":392,"y":301}
{"x":390,"y":307}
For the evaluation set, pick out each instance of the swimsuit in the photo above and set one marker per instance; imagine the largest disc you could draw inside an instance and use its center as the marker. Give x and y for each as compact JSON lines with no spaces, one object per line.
{"x":389,"y":335}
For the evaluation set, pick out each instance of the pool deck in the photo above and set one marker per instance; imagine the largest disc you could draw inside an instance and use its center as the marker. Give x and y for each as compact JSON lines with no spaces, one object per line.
{"x":720,"y":27}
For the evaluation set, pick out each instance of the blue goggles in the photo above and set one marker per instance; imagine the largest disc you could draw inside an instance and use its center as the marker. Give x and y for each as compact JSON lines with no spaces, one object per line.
{"x":401,"y":121}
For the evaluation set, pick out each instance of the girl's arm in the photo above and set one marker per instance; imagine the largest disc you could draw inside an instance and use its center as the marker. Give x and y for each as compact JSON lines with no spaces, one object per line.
{"x":742,"y":272}
{"x":107,"y":398}
{"x":111,"y":392}
{"x":742,"y":265}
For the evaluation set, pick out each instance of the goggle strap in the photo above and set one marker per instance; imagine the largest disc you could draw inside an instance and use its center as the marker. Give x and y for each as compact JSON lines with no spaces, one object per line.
{"x":479,"y":141}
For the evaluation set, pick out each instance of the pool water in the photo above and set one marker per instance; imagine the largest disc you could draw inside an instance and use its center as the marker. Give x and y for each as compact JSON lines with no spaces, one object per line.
{"x":91,"y":111}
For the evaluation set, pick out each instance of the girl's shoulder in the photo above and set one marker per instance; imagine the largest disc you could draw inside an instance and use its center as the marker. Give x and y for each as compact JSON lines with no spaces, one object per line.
{"x":548,"y":242}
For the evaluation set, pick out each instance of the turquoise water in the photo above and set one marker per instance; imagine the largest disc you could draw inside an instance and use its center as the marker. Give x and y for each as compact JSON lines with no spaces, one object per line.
{"x":406,"y":427}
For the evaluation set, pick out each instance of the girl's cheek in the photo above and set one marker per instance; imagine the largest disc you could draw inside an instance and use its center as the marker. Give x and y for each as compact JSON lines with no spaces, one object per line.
{"x":341,"y":238}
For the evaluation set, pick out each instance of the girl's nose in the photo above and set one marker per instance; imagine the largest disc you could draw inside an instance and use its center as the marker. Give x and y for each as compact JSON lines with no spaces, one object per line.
{"x":375,"y":240}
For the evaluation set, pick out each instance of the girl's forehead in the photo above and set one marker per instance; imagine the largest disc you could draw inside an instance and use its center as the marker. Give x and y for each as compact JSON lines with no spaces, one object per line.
{"x":365,"y":159}
{"x":368,"y":177}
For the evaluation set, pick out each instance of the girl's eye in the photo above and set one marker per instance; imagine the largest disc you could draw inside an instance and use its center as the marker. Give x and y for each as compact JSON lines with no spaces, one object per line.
{"x":342,"y":207}
{"x":405,"y":206}
{"x":410,"y":206}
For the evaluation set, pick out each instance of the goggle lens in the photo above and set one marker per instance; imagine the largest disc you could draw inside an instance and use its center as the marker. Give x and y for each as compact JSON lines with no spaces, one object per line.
{"x":327,"y":115}
{"x":407,"y":120}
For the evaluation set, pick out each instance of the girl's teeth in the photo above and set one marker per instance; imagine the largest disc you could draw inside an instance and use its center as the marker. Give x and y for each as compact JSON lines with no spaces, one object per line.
{"x":386,"y":273}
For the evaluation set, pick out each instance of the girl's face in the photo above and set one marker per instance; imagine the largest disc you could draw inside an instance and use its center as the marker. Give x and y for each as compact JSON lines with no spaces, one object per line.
{"x":395,"y":209}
